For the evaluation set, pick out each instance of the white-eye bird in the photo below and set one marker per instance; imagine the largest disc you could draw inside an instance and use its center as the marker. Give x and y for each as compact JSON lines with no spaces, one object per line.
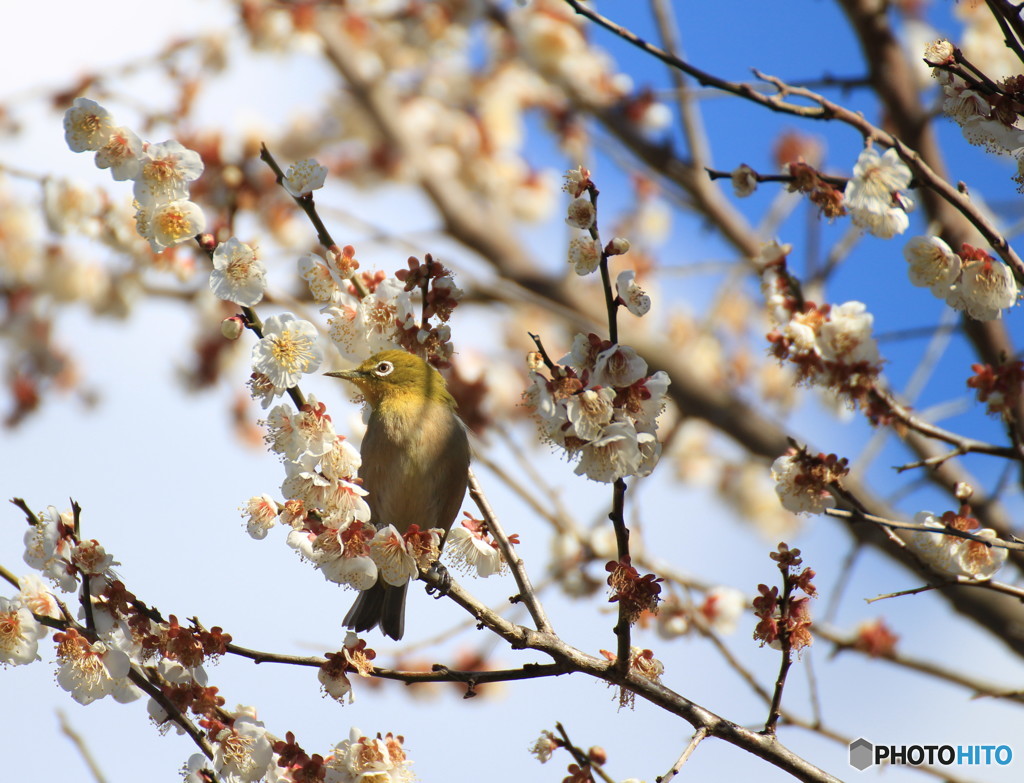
{"x":415,"y":465}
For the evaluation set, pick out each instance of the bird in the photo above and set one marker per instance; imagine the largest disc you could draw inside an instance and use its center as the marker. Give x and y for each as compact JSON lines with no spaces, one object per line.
{"x":415,"y":465}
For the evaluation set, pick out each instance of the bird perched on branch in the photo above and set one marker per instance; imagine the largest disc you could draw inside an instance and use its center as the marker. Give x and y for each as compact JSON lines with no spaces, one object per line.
{"x":415,"y":465}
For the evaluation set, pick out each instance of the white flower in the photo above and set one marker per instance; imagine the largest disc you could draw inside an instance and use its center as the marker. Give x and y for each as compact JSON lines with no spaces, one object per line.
{"x":87,"y":125}
{"x":589,"y":412}
{"x":614,"y":455}
{"x":70,"y":206}
{"x":872,"y":195}
{"x":238,"y":275}
{"x":796,"y":490}
{"x":346,"y":500}
{"x":360,"y":759}
{"x":359,"y":572}
{"x":875,"y":178}
{"x":19,"y":633}
{"x":288,"y":350}
{"x":164,"y":172}
{"x":722,"y":607}
{"x":619,"y":366}
{"x":636,"y":301}
{"x":644,"y":411}
{"x":978,"y":560}
{"x":243,"y":751}
{"x":48,"y":548}
{"x":262,"y":515}
{"x":933,"y":264}
{"x":320,"y":278}
{"x":91,"y":558}
{"x":938,"y":550}
{"x":584,"y":254}
{"x":303,"y":433}
{"x":89,"y":671}
{"x":985,"y":289}
{"x":361,"y":328}
{"x":581,"y":213}
{"x":474,"y":550}
{"x":993,"y":135}
{"x":34,"y":595}
{"x":885,"y":224}
{"x":169,"y":223}
{"x":846,"y":335}
{"x":396,"y":563}
{"x":341,"y":461}
{"x":121,"y":154}
{"x":304,"y":177}
{"x":335,"y":684}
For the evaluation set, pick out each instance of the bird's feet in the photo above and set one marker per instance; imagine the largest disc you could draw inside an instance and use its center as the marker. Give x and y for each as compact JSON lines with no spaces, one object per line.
{"x":444,"y":580}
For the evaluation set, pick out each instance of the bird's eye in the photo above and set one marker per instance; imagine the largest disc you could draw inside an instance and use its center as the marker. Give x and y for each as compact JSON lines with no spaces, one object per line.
{"x":383,"y":368}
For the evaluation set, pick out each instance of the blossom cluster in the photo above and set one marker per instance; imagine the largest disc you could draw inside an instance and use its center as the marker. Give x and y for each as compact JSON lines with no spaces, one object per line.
{"x":395,"y":312}
{"x":953,"y":555}
{"x":830,"y":345}
{"x":987,"y":112}
{"x":161,"y":173}
{"x":599,"y":404}
{"x":802,"y":481}
{"x":784,"y":620}
{"x":971,"y":281}
{"x":635,"y":594}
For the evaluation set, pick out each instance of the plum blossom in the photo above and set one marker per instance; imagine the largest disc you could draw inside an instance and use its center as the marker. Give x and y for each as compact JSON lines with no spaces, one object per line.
{"x":243,"y":751}
{"x":986,"y":288}
{"x":261,"y":512}
{"x":873,"y":194}
{"x":469,"y":545}
{"x":169,"y":223}
{"x":91,"y":671}
{"x":19,"y":633}
{"x":304,"y":177}
{"x":289,"y":349}
{"x":631,"y":295}
{"x":121,"y":154}
{"x":933,"y":265}
{"x":800,"y":488}
{"x":846,"y":335}
{"x":165,"y":170}
{"x":87,"y":125}
{"x":395,"y":561}
{"x":238,"y":275}
{"x":584,"y":254}
{"x":360,"y":759}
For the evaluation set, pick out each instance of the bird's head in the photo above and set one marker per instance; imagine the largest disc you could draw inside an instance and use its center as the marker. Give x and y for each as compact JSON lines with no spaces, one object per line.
{"x":394,"y":376}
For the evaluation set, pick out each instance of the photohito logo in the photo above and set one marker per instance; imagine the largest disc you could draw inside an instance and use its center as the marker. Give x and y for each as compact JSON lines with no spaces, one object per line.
{"x":864,"y":754}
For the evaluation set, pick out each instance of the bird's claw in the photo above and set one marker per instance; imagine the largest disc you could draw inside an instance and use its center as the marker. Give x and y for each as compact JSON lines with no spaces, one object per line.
{"x":444,"y":580}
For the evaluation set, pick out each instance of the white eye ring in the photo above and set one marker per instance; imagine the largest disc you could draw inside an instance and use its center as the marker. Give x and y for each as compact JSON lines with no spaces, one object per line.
{"x":383,"y":368}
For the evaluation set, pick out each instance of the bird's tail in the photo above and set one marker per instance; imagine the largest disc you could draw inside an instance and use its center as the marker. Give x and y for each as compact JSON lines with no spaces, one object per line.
{"x":382,"y":605}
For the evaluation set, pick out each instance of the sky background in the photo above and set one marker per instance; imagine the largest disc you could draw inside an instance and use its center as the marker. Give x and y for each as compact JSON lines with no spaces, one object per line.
{"x":160,"y":474}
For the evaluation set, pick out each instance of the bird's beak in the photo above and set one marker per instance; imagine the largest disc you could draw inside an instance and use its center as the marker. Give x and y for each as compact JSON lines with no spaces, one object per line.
{"x":345,"y":375}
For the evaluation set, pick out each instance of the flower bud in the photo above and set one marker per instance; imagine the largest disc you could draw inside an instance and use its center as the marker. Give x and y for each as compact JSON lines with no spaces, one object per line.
{"x":619,"y":246}
{"x":232,"y":327}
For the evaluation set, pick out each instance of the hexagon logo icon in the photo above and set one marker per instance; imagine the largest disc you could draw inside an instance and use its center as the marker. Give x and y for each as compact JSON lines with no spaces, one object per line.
{"x":862,"y":754}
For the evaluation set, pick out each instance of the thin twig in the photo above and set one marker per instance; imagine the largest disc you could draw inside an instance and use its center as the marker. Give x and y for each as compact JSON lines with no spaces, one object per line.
{"x":515,"y":563}
{"x":695,"y":740}
{"x":76,"y":739}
